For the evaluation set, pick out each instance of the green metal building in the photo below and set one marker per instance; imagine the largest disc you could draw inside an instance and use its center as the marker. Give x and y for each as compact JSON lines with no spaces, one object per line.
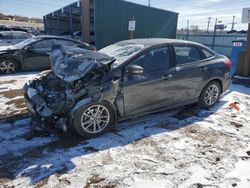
{"x":103,"y":22}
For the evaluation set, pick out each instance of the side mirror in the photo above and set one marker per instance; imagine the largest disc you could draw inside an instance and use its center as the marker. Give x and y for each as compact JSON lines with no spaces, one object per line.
{"x":27,"y":48}
{"x":132,"y":70}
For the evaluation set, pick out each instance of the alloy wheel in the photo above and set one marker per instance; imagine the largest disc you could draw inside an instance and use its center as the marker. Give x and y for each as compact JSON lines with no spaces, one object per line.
{"x":95,"y":119}
{"x":212,"y":94}
{"x":7,"y":66}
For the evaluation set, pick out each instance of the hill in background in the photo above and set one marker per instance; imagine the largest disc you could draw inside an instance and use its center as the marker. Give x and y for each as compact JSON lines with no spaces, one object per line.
{"x":19,"y":18}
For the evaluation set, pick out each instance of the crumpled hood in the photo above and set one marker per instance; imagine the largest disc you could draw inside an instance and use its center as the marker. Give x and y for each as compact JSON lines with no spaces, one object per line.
{"x":73,"y":63}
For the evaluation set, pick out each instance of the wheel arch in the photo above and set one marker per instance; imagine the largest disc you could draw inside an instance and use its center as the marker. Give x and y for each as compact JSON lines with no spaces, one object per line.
{"x":216,"y":79}
{"x":113,"y":107}
{"x":81,"y":104}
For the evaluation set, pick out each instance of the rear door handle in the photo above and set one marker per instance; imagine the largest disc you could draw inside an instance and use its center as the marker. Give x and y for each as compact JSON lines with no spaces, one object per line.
{"x":167,"y":77}
{"x":203,"y":69}
{"x":48,"y":53}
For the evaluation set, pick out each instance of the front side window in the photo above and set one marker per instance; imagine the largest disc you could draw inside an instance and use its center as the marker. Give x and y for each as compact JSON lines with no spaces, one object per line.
{"x":43,"y":44}
{"x":154,"y":60}
{"x":187,"y":54}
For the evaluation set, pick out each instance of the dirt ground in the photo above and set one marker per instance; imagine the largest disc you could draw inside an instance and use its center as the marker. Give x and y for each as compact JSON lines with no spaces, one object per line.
{"x":11,"y":95}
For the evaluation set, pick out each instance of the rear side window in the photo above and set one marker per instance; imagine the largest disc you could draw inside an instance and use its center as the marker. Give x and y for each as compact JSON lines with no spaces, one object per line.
{"x":65,"y":43}
{"x":207,"y":54}
{"x":154,"y":60}
{"x":43,"y":44}
{"x":5,"y":36}
{"x":187,"y":54}
{"x":20,"y":36}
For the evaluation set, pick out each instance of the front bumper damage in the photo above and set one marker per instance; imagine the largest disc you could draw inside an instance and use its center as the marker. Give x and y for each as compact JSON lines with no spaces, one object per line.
{"x":54,"y":97}
{"x":41,"y":115}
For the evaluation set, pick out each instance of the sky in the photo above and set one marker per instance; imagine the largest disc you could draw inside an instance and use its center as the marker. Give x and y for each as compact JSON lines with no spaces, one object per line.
{"x":196,"y":11}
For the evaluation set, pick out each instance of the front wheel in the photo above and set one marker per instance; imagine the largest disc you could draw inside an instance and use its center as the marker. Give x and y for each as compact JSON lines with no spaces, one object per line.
{"x":94,"y":120}
{"x":210,"y":94}
{"x":8,"y":66}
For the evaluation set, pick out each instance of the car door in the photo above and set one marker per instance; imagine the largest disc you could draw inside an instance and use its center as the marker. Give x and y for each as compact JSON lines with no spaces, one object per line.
{"x":153,"y":90}
{"x":190,"y":72}
{"x":36,"y":56}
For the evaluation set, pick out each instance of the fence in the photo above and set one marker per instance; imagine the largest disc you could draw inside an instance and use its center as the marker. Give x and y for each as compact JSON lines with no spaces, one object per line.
{"x":222,"y":42}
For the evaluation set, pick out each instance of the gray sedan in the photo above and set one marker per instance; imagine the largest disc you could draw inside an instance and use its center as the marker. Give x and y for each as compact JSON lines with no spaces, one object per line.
{"x":88,"y":92}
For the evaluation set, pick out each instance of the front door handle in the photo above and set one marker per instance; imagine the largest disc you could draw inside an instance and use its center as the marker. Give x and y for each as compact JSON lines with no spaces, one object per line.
{"x":203,"y":69}
{"x":48,"y":53}
{"x":167,"y":77}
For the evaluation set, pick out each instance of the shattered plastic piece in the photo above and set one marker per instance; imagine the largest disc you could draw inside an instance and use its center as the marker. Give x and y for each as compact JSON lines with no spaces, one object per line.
{"x":235,"y":106}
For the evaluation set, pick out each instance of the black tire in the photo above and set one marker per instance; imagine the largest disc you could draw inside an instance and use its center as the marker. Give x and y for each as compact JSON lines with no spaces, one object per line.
{"x":8,"y":66}
{"x":204,"y":97}
{"x":86,"y":133}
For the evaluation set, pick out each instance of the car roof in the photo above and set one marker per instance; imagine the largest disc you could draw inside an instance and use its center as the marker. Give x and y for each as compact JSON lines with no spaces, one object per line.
{"x":12,"y":32}
{"x":52,"y":37}
{"x":150,"y":42}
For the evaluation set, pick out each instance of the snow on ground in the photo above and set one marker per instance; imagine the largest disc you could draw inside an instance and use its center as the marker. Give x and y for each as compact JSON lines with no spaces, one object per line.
{"x":11,"y":94}
{"x":186,"y":147}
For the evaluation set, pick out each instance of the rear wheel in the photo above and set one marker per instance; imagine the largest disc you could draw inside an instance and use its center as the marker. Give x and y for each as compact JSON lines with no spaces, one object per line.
{"x":8,"y":66}
{"x":94,"y":120}
{"x":210,"y":94}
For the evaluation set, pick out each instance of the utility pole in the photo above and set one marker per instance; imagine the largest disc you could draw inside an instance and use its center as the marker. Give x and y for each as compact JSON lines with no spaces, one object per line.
{"x":215,"y":27}
{"x":149,"y":3}
{"x":187,"y":29}
{"x":233,"y":23}
{"x":85,"y":20}
{"x":208,"y":23}
{"x":247,"y":54}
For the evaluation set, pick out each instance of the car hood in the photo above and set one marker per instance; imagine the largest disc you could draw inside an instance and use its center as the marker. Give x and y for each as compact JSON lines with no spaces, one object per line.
{"x":71,"y":64}
{"x":7,"y":48}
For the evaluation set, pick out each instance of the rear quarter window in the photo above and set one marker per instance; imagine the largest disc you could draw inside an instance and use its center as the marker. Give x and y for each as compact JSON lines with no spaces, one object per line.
{"x":207,"y":54}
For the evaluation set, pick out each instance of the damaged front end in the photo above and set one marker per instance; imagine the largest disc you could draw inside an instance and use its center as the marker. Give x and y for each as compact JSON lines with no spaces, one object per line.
{"x":75,"y":77}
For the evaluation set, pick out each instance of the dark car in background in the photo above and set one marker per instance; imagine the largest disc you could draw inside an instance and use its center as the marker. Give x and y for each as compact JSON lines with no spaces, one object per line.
{"x":88,"y":92}
{"x":8,"y":38}
{"x":33,"y":53}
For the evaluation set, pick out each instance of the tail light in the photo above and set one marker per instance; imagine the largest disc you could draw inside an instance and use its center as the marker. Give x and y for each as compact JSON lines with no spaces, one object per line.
{"x":228,"y":63}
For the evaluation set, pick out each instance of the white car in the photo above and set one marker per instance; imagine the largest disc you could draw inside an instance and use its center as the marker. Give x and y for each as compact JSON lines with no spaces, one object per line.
{"x":8,"y":38}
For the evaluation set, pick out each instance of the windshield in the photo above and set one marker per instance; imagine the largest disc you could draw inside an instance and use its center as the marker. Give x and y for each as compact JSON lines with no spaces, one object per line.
{"x":121,"y":52}
{"x":25,"y":43}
